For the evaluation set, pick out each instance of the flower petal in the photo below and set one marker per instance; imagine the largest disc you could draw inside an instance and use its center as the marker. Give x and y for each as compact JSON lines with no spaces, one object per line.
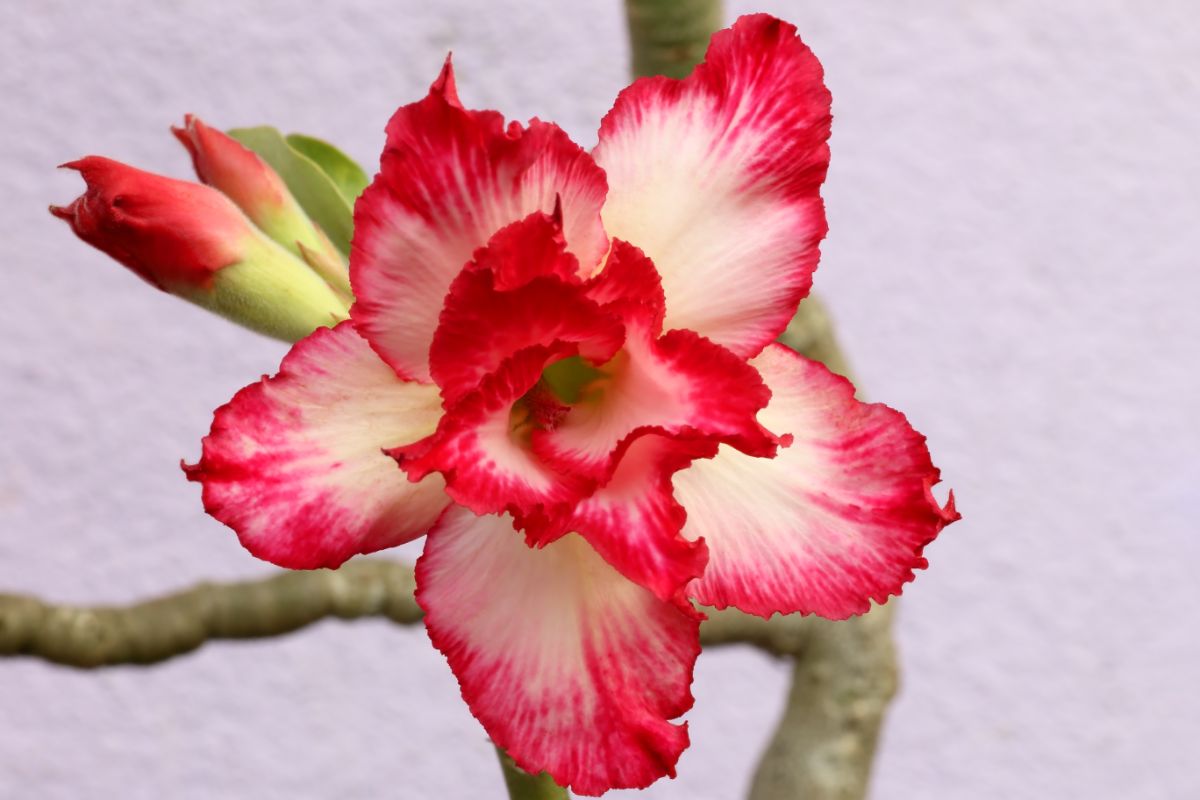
{"x":630,"y":287}
{"x":676,"y":383}
{"x":294,"y":463}
{"x":484,"y":456}
{"x":171,"y":233}
{"x":521,"y":291}
{"x":449,"y":179}
{"x":633,"y":521}
{"x":533,"y":247}
{"x":569,"y":667}
{"x":717,"y":178}
{"x":837,"y":519}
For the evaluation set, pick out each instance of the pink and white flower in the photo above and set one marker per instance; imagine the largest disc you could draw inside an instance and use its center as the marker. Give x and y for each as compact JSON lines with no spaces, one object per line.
{"x":570,"y":355}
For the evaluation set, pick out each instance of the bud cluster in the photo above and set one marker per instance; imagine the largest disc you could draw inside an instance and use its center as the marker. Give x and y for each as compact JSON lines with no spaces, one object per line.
{"x":238,"y":243}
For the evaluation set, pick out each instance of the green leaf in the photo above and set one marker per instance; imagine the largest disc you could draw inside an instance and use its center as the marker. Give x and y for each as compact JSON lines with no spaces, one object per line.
{"x":349,"y":177}
{"x":318,"y":194}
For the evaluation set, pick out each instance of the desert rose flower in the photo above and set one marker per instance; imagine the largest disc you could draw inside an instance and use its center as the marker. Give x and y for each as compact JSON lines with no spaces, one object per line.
{"x":241,"y":175}
{"x":192,"y":241}
{"x":571,"y":356}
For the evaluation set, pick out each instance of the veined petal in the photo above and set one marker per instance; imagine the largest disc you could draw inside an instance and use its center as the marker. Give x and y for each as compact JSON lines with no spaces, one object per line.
{"x":569,"y":667}
{"x":294,"y":463}
{"x":839,"y":518}
{"x":483,"y":451}
{"x":521,"y":291}
{"x":633,"y":521}
{"x":677,"y":383}
{"x":533,"y":247}
{"x":717,"y":178}
{"x":449,"y":179}
{"x":630,"y":287}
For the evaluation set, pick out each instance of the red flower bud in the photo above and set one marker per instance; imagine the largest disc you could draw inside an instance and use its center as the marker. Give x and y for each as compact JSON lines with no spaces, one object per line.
{"x":237,"y":172}
{"x":240,"y":174}
{"x":169,"y":232}
{"x":192,"y":241}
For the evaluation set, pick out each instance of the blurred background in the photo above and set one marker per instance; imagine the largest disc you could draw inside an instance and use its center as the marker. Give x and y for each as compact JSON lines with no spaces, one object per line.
{"x":1014,"y":204}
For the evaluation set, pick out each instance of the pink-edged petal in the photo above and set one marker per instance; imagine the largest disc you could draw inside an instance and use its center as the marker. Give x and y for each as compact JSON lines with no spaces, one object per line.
{"x":481,"y":444}
{"x":571,"y":668}
{"x":839,"y":518}
{"x":482,"y":327}
{"x":519,"y":292}
{"x":533,"y":247}
{"x":449,"y":179}
{"x":717,"y":178}
{"x":680,"y":383}
{"x":633,"y":521}
{"x":630,"y":287}
{"x":294,"y":464}
{"x":677,"y":383}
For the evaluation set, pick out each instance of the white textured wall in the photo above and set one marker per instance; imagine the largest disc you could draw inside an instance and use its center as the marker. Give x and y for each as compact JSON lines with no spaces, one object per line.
{"x":1014,"y":203}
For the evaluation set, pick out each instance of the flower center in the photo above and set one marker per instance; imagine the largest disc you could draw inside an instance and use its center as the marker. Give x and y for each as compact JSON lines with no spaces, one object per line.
{"x":563,"y":384}
{"x":570,"y":378}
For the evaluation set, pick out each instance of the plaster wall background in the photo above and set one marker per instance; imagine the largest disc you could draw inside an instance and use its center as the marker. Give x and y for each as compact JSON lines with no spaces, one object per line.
{"x":1012,"y":261}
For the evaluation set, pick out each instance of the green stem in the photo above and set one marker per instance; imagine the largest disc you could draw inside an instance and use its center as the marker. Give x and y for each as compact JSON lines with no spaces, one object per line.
{"x":668,"y":37}
{"x":523,"y":786}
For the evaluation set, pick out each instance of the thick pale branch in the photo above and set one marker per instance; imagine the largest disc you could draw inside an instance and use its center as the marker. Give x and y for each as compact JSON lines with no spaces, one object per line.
{"x":668,"y":37}
{"x":779,"y":636}
{"x":159,"y":629}
{"x":842,"y":682}
{"x":810,"y":332}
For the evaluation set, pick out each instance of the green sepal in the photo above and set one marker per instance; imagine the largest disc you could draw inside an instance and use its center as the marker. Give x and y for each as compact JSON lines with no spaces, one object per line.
{"x":341,"y":168}
{"x":316,"y":192}
{"x":269,"y":291}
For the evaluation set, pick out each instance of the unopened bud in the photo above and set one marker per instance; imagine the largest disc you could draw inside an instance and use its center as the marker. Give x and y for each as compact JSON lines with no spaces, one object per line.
{"x":192,"y":241}
{"x":245,"y":178}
